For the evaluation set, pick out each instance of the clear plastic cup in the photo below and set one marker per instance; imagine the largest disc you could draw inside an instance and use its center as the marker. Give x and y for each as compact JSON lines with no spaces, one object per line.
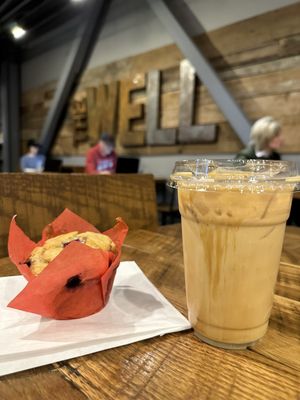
{"x":233,"y":215}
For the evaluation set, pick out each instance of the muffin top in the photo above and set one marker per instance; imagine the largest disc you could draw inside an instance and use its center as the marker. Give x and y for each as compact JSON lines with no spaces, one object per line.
{"x":42,"y":255}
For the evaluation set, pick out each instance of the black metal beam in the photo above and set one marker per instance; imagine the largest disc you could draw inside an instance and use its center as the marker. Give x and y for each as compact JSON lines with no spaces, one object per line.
{"x":52,"y":19}
{"x":5,"y":4}
{"x":171,"y":13}
{"x":48,"y":41}
{"x":11,"y":13}
{"x":75,"y":64}
{"x":45,"y":39}
{"x":10,"y":105}
{"x":38,"y":11}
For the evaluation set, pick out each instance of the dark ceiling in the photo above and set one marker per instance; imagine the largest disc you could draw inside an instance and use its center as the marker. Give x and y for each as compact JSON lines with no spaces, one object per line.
{"x":39,"y":17}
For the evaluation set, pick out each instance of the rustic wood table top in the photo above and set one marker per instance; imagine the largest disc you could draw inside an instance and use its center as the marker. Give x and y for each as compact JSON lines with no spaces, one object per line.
{"x":179,"y":366}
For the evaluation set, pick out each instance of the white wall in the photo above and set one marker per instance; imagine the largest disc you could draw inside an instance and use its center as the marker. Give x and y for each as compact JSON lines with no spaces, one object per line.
{"x":159,"y":166}
{"x":132,"y":28}
{"x":162,"y":166}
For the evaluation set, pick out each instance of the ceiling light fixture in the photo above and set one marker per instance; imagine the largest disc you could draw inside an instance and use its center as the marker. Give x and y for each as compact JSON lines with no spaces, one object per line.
{"x":17,"y":31}
{"x":77,"y":1}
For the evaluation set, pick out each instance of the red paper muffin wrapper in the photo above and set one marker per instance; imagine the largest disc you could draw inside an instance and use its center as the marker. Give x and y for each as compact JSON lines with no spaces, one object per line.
{"x":77,"y":282}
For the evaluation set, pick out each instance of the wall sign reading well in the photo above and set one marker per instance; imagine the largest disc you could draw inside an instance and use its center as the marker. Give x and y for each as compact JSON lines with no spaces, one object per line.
{"x":111,"y":108}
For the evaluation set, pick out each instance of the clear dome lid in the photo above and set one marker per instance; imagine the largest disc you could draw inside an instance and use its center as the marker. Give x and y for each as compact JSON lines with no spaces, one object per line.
{"x":258,"y":175}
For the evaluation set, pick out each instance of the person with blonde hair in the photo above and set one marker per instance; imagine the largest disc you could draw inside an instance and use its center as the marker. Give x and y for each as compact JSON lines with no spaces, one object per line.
{"x":265,"y":140}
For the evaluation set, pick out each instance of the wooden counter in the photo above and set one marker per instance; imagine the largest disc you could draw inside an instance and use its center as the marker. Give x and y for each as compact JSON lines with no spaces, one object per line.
{"x":179,"y":366}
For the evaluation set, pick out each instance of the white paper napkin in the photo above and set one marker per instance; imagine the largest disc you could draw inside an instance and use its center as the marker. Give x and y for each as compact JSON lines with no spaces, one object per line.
{"x":136,"y":311}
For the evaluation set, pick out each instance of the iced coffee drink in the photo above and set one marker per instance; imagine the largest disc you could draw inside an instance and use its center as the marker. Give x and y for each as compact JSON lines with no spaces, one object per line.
{"x":233,"y":223}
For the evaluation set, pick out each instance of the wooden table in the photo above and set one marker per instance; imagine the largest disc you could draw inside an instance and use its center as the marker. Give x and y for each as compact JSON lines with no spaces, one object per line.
{"x":178,"y":366}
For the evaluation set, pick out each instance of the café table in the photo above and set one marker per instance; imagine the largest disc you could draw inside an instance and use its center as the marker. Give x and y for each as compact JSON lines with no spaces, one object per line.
{"x":178,"y":365}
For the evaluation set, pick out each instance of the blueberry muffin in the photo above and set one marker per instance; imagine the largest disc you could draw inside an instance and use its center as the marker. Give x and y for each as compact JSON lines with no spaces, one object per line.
{"x":42,"y":255}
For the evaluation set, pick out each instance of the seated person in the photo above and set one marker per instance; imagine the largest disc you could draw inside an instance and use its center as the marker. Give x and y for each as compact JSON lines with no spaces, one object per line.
{"x":265,"y":139}
{"x":32,"y":161}
{"x":102,"y":159}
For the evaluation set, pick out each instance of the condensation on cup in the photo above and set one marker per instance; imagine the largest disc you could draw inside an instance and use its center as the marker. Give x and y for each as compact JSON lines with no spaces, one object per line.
{"x":233,"y":215}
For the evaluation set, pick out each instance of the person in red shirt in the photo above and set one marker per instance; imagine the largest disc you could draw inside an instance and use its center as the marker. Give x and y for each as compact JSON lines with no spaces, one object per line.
{"x":102,"y":159}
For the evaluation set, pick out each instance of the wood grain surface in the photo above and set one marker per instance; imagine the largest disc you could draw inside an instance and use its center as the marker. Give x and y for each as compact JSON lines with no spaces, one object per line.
{"x":39,"y":198}
{"x":178,"y":366}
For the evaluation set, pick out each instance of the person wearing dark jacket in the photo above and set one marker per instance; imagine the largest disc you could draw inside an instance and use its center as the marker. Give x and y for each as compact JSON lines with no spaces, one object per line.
{"x":265,"y":140}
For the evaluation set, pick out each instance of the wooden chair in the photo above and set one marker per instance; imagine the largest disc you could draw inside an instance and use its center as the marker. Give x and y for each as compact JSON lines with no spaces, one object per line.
{"x":38,"y":198}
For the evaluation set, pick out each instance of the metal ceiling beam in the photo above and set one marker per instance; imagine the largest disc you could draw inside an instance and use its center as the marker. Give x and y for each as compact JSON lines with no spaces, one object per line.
{"x":78,"y":57}
{"x":42,"y":8}
{"x":12,"y":12}
{"x":5,"y":4}
{"x":48,"y":41}
{"x":171,"y":13}
{"x":60,"y":15}
{"x":10,"y":106}
{"x":44,"y":40}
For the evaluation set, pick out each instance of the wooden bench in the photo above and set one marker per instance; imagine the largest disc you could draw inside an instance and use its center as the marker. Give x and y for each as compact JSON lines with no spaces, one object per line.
{"x":38,"y":198}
